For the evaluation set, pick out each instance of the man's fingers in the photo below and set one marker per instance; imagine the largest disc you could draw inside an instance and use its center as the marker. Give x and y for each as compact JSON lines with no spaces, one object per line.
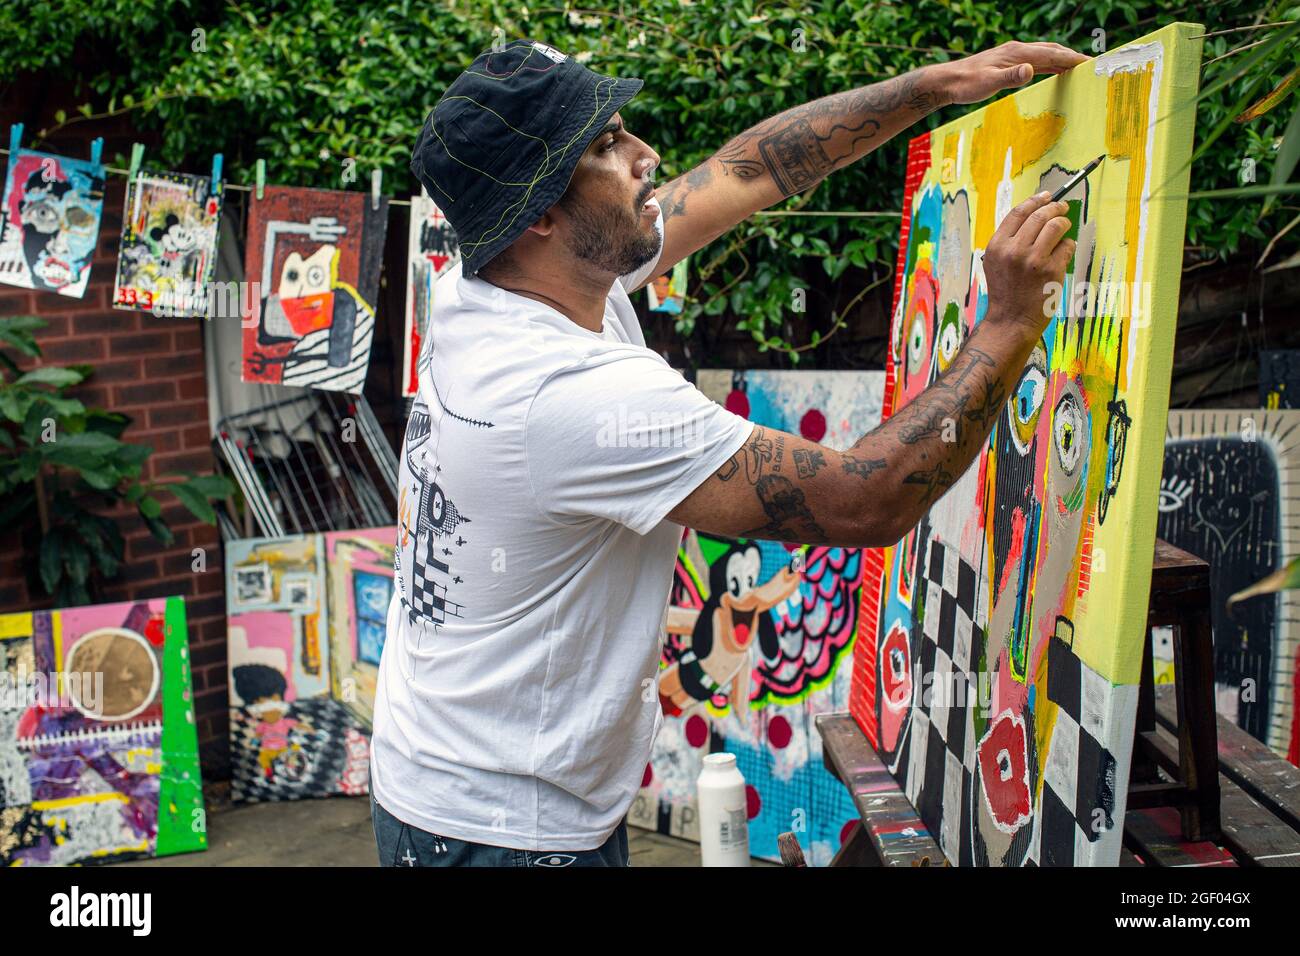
{"x":1049,"y":57}
{"x":1049,"y":236}
{"x":1028,"y":233}
{"x":1017,"y":216}
{"x":1017,"y":75}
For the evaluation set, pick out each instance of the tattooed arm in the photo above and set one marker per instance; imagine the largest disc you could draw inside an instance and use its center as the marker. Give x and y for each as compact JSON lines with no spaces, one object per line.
{"x":798,"y":148}
{"x":784,"y":487}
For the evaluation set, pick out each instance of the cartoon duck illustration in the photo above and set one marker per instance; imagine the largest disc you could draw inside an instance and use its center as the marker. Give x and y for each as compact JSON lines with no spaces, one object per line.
{"x":723,"y":631}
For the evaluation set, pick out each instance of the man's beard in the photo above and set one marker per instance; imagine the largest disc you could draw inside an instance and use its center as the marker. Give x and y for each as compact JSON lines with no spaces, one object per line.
{"x":608,"y":237}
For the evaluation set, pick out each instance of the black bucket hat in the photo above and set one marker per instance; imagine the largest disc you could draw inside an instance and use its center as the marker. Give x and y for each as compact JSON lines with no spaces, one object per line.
{"x":500,"y":147}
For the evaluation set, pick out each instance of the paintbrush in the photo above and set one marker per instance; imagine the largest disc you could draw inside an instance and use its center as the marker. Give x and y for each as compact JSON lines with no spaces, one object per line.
{"x":791,"y":852}
{"x":1077,"y":178}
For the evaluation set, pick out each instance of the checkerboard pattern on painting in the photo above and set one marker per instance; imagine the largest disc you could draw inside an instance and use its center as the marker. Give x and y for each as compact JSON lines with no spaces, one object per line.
{"x":937,"y":759}
{"x":937,"y":762}
{"x":331,"y":759}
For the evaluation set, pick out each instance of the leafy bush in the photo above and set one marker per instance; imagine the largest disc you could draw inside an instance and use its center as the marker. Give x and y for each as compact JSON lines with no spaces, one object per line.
{"x":307,"y":85}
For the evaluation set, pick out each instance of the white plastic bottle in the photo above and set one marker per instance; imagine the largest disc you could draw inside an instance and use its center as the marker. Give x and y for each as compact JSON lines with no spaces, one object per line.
{"x":724,"y":816}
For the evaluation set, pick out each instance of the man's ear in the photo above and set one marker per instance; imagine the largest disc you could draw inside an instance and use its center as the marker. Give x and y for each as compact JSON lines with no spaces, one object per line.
{"x":544,"y":226}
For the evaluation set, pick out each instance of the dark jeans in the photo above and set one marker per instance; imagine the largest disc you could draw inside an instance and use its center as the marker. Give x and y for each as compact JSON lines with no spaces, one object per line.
{"x":401,"y":844}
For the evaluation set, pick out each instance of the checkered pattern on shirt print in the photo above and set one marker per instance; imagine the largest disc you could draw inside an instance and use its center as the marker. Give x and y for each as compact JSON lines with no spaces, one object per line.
{"x":938,"y":765}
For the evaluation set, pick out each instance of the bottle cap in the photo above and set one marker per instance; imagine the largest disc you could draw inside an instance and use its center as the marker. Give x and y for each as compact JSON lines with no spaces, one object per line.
{"x":720,"y":761}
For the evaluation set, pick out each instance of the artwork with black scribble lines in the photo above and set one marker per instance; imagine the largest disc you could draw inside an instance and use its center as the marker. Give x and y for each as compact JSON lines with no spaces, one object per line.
{"x":1229,"y":495}
{"x":315,"y":255}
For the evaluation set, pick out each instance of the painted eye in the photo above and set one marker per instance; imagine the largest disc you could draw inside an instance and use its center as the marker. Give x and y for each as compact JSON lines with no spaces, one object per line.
{"x":316,"y":276}
{"x":916,"y":344}
{"x":1026,"y":402}
{"x":1067,"y":433}
{"x":950,"y":333}
{"x":1174,"y":493}
{"x":437,"y":505}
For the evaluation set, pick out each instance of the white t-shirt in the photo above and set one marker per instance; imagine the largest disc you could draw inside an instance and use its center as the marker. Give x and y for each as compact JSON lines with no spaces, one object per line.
{"x":517,"y":700}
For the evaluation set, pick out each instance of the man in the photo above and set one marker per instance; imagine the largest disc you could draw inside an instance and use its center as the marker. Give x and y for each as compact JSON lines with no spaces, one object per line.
{"x":551,"y":459}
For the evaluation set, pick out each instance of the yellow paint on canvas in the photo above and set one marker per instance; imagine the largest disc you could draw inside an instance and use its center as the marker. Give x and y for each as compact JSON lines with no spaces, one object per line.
{"x":1137,"y":209}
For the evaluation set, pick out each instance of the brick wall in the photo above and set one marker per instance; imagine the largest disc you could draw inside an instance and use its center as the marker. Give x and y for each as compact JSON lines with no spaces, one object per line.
{"x":150,"y":369}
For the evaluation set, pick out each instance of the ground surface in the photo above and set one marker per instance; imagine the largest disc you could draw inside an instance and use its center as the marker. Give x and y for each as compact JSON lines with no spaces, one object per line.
{"x":337,"y":832}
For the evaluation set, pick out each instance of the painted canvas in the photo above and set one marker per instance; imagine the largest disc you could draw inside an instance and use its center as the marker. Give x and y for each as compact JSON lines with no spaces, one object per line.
{"x":359,"y":568}
{"x":432,"y":250}
{"x":759,"y":641}
{"x":169,"y":244}
{"x":1279,"y":378}
{"x":305,"y":618}
{"x":99,"y":757}
{"x":667,"y":293}
{"x":1228,"y":495}
{"x":996,"y":672}
{"x":49,"y":221}
{"x":316,"y":256}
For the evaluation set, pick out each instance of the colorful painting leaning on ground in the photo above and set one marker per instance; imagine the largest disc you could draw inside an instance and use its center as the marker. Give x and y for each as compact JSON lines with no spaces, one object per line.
{"x":169,"y":244}
{"x":1228,"y":496}
{"x":315,"y":255}
{"x":1001,"y":639}
{"x":49,"y":221}
{"x":769,"y":626}
{"x":431,"y":251}
{"x":99,"y":758}
{"x":305,"y":618}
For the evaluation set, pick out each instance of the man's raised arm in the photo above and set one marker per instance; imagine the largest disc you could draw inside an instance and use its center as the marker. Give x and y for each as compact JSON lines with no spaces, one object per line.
{"x":796,"y":149}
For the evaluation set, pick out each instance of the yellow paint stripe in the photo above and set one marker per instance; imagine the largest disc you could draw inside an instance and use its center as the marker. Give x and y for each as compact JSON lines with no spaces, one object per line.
{"x":79,"y":800}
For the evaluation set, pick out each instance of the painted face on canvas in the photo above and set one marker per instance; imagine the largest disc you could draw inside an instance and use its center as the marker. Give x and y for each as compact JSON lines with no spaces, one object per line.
{"x":59,"y":230}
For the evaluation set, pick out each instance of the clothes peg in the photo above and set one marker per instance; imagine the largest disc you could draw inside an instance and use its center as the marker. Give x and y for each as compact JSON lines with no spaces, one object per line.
{"x":376,"y":181}
{"x":261,"y":177}
{"x":214,"y":184}
{"x":137,"y":156}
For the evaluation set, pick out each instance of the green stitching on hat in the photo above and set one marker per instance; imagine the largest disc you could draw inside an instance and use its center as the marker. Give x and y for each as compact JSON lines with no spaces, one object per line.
{"x":604,"y":85}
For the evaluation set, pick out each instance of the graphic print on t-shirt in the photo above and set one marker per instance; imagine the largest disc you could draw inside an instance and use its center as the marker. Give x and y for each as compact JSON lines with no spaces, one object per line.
{"x":427,"y":542}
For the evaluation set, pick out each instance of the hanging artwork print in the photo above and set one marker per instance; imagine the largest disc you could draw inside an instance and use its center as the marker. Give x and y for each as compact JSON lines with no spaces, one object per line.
{"x":49,"y":220}
{"x":98,"y":750}
{"x":169,"y":244}
{"x":1000,"y":649}
{"x":305,"y":619}
{"x":432,"y":250}
{"x":1227,"y":497}
{"x":759,"y":640}
{"x":316,"y":256}
{"x":667,"y":293}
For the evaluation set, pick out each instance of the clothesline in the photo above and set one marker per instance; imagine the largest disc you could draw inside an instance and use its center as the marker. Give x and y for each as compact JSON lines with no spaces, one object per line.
{"x":240,"y":187}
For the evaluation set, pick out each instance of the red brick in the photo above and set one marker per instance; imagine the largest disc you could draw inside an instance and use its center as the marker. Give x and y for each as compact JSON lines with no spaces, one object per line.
{"x":56,"y":327}
{"x":17,"y":302}
{"x":105,"y":323}
{"x":146,"y":393}
{"x":184,"y":413}
{"x":110,"y":373}
{"x":188,"y":340}
{"x":163,"y":440}
{"x":197,"y":437}
{"x":144,"y":343}
{"x":195,"y":462}
{"x":193,"y":386}
{"x":73,"y":350}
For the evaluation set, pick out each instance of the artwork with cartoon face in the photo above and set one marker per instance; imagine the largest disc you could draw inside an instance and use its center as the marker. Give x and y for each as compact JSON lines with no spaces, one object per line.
{"x":316,"y":256}
{"x":758,"y":639}
{"x":168,"y":251}
{"x":49,"y":222}
{"x":997,"y":667}
{"x":1225,"y":497}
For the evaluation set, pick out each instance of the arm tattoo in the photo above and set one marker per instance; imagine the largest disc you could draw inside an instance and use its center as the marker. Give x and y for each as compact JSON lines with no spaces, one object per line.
{"x":936,"y":481}
{"x":800,"y":147}
{"x":806,"y":463}
{"x":788,"y":514}
{"x":862,"y":467}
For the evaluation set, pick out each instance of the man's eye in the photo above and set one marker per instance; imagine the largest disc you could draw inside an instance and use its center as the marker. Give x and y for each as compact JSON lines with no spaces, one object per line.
{"x":609,"y":145}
